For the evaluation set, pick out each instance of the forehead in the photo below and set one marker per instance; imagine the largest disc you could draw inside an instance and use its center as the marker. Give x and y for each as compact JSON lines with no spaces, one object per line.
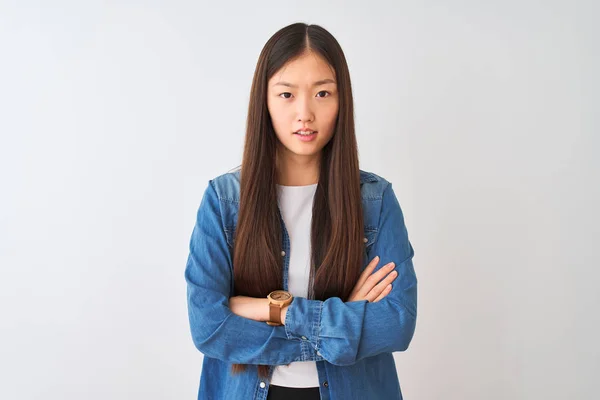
{"x":304,"y":70}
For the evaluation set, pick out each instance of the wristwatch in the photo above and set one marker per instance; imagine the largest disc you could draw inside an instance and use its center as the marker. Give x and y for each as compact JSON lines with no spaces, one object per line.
{"x":277,"y":300}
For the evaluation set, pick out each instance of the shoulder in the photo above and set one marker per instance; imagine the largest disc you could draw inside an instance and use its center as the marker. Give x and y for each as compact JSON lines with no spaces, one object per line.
{"x":227,"y":185}
{"x":372,"y":185}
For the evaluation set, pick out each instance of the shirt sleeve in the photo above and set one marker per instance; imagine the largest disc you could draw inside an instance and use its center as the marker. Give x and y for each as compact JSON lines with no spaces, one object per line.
{"x":216,"y":331}
{"x":345,"y":332}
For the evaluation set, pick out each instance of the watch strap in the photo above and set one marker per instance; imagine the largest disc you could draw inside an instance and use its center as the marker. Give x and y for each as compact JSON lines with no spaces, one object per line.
{"x":275,"y":313}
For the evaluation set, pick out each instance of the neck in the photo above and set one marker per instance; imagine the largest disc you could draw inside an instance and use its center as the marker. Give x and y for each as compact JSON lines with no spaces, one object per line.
{"x":295,"y":170}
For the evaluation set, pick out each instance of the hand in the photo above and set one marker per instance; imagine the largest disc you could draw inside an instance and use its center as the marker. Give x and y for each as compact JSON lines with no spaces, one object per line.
{"x":368,"y":288}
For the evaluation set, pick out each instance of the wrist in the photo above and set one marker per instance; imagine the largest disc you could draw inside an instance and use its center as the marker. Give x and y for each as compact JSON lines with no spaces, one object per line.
{"x":264,"y":309}
{"x":277,"y":303}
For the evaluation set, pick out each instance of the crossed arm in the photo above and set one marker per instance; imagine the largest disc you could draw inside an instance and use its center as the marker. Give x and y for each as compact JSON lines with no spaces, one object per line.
{"x":341,"y":332}
{"x":371,"y":286}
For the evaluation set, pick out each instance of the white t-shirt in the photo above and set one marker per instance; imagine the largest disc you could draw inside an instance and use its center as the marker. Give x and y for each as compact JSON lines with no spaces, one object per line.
{"x":295,"y":203}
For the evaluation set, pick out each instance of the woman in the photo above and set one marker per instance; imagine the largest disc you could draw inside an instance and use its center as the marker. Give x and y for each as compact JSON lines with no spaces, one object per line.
{"x":300,"y":275}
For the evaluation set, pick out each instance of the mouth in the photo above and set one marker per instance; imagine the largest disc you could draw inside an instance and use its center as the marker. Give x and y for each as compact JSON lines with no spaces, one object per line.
{"x":307,"y":132}
{"x":306,"y":136}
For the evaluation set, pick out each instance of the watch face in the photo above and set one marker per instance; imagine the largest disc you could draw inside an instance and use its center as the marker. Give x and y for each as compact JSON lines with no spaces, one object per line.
{"x":280,"y":295}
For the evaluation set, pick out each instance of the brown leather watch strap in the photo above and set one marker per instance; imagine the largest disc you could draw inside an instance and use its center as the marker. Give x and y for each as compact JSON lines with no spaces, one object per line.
{"x":275,"y":313}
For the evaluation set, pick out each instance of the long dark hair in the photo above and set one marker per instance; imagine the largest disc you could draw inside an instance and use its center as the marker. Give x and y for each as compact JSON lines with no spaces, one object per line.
{"x":337,"y":219}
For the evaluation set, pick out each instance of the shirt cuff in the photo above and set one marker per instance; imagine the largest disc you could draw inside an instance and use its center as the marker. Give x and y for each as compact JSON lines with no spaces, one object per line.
{"x":303,"y":320}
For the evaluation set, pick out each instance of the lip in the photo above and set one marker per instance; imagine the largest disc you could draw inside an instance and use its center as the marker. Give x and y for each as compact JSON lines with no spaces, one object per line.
{"x":309,"y":138}
{"x":304,"y":129}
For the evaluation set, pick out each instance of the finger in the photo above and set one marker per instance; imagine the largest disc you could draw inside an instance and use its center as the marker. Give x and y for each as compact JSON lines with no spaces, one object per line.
{"x":374,"y":278}
{"x":384,"y":293}
{"x":381,"y":286}
{"x":367,"y":271}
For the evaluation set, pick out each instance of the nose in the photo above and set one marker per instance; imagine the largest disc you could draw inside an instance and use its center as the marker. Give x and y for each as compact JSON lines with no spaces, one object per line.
{"x":304,"y":111}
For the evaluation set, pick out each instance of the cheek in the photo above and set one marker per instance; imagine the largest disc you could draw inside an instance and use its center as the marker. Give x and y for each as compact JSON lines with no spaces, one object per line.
{"x":278,"y":118}
{"x":329,"y":116}
{"x":276,"y":111}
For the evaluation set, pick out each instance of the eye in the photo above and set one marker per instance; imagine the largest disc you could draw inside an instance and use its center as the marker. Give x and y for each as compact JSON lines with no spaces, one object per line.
{"x":326,"y":94}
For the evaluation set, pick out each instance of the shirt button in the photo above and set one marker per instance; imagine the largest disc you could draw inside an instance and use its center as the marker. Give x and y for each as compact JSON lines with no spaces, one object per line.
{"x":365,"y":240}
{"x":303,"y":337}
{"x":318,"y":353}
{"x":282,"y":253}
{"x":325,"y":384}
{"x":262,"y":385}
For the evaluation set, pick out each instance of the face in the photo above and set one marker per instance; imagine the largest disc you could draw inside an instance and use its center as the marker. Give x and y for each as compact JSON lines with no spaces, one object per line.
{"x":303,"y":95}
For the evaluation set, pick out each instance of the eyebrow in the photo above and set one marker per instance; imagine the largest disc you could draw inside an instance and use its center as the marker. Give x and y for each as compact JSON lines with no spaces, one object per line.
{"x":317,"y":83}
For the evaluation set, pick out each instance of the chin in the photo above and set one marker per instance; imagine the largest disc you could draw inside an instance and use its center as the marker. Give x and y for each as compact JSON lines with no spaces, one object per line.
{"x":303,"y":149}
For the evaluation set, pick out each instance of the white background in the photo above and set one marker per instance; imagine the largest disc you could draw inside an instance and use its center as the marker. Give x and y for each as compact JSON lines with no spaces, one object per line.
{"x":114,"y":116}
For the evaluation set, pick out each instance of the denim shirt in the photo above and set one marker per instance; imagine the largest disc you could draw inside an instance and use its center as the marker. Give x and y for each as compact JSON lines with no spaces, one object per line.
{"x":351,"y":342}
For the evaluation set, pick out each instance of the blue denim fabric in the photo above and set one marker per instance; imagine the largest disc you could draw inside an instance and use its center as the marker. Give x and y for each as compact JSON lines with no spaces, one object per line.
{"x":352,"y":342}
